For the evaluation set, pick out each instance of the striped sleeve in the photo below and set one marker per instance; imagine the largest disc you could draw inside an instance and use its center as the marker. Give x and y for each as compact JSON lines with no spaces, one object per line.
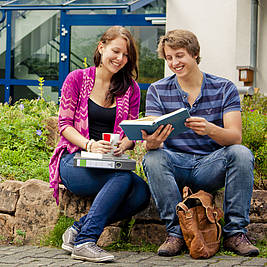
{"x":231,"y":100}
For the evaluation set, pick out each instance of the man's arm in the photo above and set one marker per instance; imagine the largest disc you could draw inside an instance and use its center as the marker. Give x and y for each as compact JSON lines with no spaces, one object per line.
{"x":229,"y":135}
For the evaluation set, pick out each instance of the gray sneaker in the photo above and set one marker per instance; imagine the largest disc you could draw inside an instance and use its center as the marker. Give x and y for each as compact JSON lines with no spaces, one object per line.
{"x":91,"y":252}
{"x":68,"y":239}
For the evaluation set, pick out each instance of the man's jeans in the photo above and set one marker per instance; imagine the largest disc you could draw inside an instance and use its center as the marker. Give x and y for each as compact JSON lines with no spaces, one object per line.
{"x":168,"y":172}
{"x":118,"y":195}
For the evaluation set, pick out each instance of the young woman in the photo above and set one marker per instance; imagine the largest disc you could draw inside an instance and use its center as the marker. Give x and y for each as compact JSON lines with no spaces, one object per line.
{"x":95,"y":100}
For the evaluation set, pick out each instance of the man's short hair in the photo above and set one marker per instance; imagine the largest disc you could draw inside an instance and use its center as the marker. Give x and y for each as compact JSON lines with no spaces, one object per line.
{"x":179,"y":39}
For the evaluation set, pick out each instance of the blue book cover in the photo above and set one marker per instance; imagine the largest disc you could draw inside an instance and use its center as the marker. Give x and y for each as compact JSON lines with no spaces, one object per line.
{"x":132,"y":128}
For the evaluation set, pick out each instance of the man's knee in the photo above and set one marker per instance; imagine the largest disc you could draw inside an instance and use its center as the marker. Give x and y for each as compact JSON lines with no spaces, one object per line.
{"x":155,"y":162}
{"x":153,"y":159}
{"x":240,"y":153}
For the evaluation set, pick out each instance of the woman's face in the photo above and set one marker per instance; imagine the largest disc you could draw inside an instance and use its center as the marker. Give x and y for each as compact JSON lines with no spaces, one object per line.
{"x":114,"y":54}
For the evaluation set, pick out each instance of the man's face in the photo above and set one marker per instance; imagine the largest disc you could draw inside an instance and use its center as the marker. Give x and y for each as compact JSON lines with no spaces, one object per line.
{"x":179,"y":61}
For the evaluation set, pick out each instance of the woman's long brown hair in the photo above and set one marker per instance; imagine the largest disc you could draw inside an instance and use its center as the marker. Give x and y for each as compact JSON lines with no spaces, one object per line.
{"x":121,"y":80}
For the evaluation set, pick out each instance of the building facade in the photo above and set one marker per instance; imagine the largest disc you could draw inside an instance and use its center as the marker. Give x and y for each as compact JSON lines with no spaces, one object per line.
{"x":232,"y":36}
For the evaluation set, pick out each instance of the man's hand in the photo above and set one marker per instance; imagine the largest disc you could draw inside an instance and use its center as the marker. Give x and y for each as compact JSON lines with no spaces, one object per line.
{"x":230,"y":134}
{"x":155,"y":140}
{"x":199,"y":125}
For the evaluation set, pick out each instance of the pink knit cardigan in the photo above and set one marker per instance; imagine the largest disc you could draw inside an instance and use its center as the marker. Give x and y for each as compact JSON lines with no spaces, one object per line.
{"x":73,"y":111}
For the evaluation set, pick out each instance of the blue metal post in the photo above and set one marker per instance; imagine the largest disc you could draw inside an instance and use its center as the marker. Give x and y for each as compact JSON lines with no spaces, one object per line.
{"x":8,"y":56}
{"x":64,"y":50}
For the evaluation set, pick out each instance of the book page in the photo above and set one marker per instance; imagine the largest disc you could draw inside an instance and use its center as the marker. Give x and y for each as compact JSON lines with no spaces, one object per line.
{"x":169,"y":114}
{"x":149,"y":118}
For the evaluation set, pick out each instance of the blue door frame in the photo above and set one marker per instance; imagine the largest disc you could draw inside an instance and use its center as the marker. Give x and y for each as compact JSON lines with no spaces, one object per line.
{"x":66,"y":22}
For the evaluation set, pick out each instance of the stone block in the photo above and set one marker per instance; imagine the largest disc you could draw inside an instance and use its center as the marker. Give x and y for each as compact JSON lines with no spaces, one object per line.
{"x":7,"y":223}
{"x":150,"y":213}
{"x":37,"y":212}
{"x":109,"y":235}
{"x":71,"y":205}
{"x":149,"y":233}
{"x":257,"y":231}
{"x":258,"y":208}
{"x":9,"y":195}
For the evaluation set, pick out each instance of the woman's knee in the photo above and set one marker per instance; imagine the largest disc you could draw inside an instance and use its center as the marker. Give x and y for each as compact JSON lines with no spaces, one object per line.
{"x":140,"y":191}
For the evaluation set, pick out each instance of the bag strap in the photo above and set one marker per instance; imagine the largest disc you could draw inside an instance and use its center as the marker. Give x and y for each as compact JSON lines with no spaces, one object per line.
{"x":187,"y":192}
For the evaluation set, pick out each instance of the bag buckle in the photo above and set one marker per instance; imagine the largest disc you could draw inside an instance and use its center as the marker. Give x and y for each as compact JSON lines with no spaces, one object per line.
{"x":188,"y":214}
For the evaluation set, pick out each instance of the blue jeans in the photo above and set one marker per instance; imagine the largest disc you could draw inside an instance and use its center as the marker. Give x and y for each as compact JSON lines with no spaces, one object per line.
{"x":118,"y":195}
{"x":230,"y":167}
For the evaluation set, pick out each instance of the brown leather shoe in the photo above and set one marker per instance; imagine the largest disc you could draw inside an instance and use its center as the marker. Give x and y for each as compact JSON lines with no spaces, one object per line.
{"x":241,"y":245}
{"x":171,"y":247}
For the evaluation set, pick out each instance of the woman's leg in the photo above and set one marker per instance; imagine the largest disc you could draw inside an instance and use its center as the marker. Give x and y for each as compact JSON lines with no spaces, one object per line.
{"x":137,"y":200}
{"x":110,"y":188}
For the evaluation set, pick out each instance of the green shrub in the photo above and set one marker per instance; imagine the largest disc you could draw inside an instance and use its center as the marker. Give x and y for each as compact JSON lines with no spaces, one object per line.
{"x":254,"y":123}
{"x":54,"y":238}
{"x":24,"y":150}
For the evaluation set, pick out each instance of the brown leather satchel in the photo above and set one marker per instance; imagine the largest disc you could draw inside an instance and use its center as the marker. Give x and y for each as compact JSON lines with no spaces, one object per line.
{"x":199,"y":221}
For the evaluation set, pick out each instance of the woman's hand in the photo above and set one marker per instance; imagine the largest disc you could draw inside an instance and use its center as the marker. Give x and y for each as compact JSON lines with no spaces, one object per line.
{"x":101,"y":146}
{"x":123,"y":145}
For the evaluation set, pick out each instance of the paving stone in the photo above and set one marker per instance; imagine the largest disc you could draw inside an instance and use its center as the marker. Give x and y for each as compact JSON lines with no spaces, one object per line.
{"x":31,"y":256}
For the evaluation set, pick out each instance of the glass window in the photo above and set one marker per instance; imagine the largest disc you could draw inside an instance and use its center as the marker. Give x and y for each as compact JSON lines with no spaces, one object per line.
{"x":84,"y":40}
{"x":77,"y":2}
{"x":155,"y":7}
{"x":2,"y":49}
{"x":92,"y":12}
{"x":35,"y":45}
{"x":2,"y":93}
{"x":151,"y":68}
{"x":33,"y":92}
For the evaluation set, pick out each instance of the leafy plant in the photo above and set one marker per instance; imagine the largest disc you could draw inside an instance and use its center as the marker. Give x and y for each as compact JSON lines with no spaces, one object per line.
{"x":24,"y":151}
{"x":254,"y":132}
{"x":54,"y":238}
{"x":41,"y":83}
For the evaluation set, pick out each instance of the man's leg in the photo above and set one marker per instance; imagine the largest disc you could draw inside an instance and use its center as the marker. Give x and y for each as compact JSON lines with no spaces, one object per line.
{"x":160,"y":170}
{"x":237,"y":200}
{"x":231,"y":167}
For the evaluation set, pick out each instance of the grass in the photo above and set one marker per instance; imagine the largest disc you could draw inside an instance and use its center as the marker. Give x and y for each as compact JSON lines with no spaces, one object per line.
{"x":125,"y":246}
{"x":54,"y":238}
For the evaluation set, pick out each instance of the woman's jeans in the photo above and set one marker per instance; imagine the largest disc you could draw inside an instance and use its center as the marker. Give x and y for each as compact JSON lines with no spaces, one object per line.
{"x":118,"y":195}
{"x":230,"y":167}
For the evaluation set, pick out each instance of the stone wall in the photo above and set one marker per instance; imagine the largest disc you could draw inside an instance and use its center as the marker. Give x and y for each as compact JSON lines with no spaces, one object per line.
{"x":29,"y":207}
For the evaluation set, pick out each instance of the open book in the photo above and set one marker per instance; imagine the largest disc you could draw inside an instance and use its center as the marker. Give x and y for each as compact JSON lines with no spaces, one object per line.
{"x":132,"y":128}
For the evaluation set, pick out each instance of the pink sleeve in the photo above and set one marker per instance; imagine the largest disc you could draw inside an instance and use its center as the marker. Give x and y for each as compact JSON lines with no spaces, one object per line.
{"x":134,"y":103}
{"x":69,"y":99}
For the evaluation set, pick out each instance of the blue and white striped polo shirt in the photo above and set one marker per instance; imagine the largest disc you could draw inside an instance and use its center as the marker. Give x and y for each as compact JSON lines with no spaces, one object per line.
{"x":218,"y":96}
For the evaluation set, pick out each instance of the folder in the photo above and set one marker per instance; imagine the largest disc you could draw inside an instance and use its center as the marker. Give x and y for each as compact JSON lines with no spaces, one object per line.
{"x":109,"y":162}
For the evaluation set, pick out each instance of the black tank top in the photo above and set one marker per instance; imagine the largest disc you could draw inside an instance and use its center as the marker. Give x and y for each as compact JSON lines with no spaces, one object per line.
{"x":101,"y":120}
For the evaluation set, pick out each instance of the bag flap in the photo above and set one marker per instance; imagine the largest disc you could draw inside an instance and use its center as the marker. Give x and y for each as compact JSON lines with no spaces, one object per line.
{"x":213,"y":213}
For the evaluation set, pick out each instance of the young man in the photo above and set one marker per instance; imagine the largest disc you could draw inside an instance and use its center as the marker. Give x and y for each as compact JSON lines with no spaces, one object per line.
{"x":209,"y":155}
